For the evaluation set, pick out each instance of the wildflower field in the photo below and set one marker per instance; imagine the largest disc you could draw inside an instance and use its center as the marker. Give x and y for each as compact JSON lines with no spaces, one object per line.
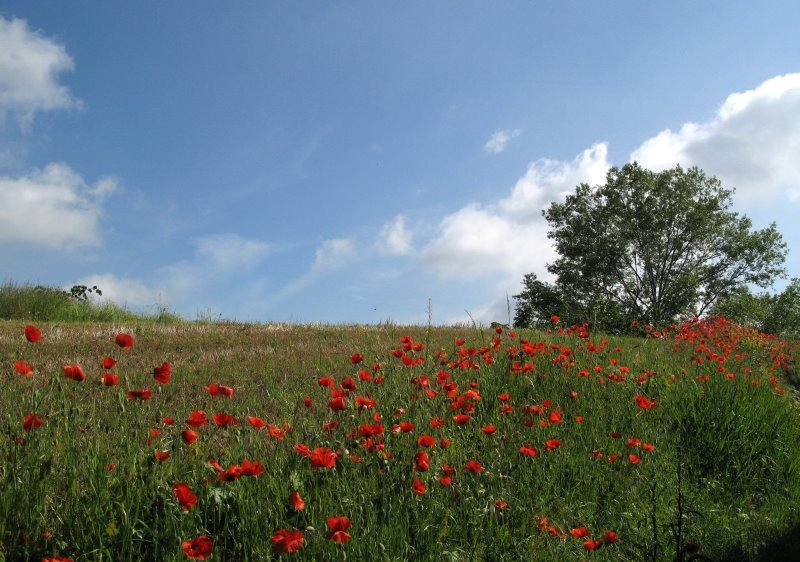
{"x":223,"y":441}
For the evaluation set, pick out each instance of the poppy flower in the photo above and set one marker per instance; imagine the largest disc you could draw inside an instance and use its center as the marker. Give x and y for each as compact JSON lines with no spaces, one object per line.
{"x":489,"y":429}
{"x":161,"y":456}
{"x":424,"y":440}
{"x":444,"y":443}
{"x":422,"y":461}
{"x":356,"y":358}
{"x":31,"y":421}
{"x":110,"y":379}
{"x":307,"y":402}
{"x":461,"y":419}
{"x":23,"y":368}
{"x":302,"y":450}
{"x":644,"y":402}
{"x":196,"y":418}
{"x":592,"y":544}
{"x":253,"y":468}
{"x":610,"y":537}
{"x":32,"y":333}
{"x":337,"y":529}
{"x":125,"y":341}
{"x":140,"y":394}
{"x":326,"y":382}
{"x":188,"y":436}
{"x":57,"y":559}
{"x":579,"y":532}
{"x":474,"y":466}
{"x":634,"y":459}
{"x":500,"y":504}
{"x":296,"y":501}
{"x":648,"y":447}
{"x":198,"y":548}
{"x":337,"y":404}
{"x":322,"y":457}
{"x":529,"y":451}
{"x":220,"y":390}
{"x":109,"y":362}
{"x":287,"y":540}
{"x":419,"y":487}
{"x":258,"y":423}
{"x":553,"y":444}
{"x":162,"y":373}
{"x":184,"y":495}
{"x":74,"y":372}
{"x":223,"y":419}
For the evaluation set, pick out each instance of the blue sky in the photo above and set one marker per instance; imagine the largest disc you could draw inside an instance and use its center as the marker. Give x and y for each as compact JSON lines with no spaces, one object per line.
{"x":347,"y":162}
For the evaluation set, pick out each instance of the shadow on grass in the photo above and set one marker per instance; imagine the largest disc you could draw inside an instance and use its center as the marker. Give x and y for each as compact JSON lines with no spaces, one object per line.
{"x":785,"y":548}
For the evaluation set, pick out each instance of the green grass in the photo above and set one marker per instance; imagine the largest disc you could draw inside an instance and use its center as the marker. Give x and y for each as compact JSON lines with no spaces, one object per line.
{"x":50,"y":304}
{"x":723,"y":474}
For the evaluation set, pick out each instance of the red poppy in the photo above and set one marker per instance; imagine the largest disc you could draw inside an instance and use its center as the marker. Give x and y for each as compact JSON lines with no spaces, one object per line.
{"x":327,"y":382}
{"x":592,"y":544}
{"x":223,"y":420}
{"x":648,"y":447}
{"x":162,"y":373}
{"x":220,"y":390}
{"x":253,"y":468}
{"x":421,"y":461}
{"x":23,"y":368}
{"x":196,"y":419}
{"x":419,"y":487}
{"x":423,"y":440}
{"x":356,"y":358}
{"x":74,"y":372}
{"x":553,"y":444}
{"x":555,"y":319}
{"x":364,"y":402}
{"x":444,"y":443}
{"x":166,"y":420}
{"x":489,"y":429}
{"x":307,"y":402}
{"x":57,"y":559}
{"x":610,"y":537}
{"x":337,"y":529}
{"x":296,"y":501}
{"x":287,"y":540}
{"x":140,"y":394}
{"x":198,"y":548}
{"x":110,"y":379}
{"x":258,"y":423}
{"x":579,"y":532}
{"x":337,"y":404}
{"x":500,"y":504}
{"x":461,"y":419}
{"x":634,"y":459}
{"x":32,"y":333}
{"x":644,"y":402}
{"x":322,"y":457}
{"x":529,"y":451}
{"x":125,"y":341}
{"x":184,"y":495}
{"x":161,"y":456}
{"x":188,"y":436}
{"x":31,"y":421}
{"x":474,"y":466}
{"x":109,"y":362}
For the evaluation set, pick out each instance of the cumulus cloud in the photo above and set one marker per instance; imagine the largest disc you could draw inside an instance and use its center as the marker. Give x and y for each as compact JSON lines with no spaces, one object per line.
{"x":333,"y":254}
{"x":131,"y":293}
{"x":510,"y":236}
{"x":751,"y":143}
{"x":29,"y":67}
{"x":53,"y":208}
{"x":499,"y":140}
{"x":395,"y":239}
{"x":231,"y":251}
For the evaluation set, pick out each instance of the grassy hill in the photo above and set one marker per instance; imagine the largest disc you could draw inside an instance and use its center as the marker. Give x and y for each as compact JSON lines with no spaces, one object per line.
{"x":434,"y":443}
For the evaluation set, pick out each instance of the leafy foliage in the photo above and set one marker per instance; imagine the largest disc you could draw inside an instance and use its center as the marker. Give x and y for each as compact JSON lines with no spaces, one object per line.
{"x":649,"y":246}
{"x":777,"y":314}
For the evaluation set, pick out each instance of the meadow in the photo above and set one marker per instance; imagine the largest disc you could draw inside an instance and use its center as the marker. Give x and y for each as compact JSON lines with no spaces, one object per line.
{"x":144,"y":440}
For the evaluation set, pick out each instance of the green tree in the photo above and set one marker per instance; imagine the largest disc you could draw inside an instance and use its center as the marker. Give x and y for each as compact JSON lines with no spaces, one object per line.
{"x":777,"y":314}
{"x":653,"y":246}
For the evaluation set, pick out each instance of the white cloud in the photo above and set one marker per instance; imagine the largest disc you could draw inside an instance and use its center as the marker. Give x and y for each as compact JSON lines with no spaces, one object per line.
{"x":29,"y":69}
{"x":499,"y":140}
{"x":395,"y":239}
{"x":231,"y":251}
{"x":131,"y":293}
{"x":333,"y":254}
{"x":509,"y":238}
{"x":53,"y":208}
{"x":752,"y":142}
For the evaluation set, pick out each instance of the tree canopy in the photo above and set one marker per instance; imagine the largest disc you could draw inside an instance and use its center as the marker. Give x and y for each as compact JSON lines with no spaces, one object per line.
{"x":648,"y":246}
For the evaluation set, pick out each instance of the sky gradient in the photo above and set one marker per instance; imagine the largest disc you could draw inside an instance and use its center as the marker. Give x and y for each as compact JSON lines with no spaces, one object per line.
{"x":347,"y":162}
